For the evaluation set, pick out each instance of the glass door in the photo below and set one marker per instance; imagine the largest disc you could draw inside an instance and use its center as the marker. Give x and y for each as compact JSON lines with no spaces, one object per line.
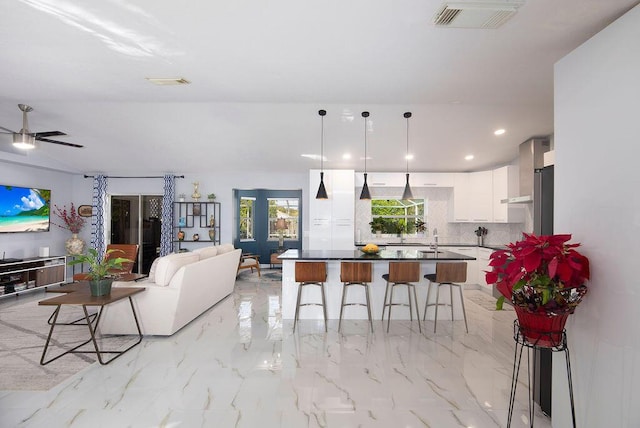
{"x":135,"y":219}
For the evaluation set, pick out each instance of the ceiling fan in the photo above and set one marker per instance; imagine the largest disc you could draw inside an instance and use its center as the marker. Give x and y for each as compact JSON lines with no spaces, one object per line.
{"x":26,"y":140}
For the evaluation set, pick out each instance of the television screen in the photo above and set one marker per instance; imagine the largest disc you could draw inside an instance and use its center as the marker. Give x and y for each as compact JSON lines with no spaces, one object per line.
{"x":24,"y":209}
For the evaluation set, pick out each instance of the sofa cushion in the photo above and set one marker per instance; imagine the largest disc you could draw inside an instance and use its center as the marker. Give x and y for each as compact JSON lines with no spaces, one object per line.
{"x":169,"y":265}
{"x":206,"y":252}
{"x":225,"y":248}
{"x":152,"y":270}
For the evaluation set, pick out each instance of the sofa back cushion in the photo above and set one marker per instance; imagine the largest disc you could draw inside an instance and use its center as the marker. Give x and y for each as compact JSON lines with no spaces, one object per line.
{"x":169,"y":265}
{"x":206,"y":252}
{"x":225,"y":248}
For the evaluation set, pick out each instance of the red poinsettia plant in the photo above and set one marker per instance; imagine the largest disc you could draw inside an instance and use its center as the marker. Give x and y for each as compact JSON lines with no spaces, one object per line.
{"x":540,"y":273}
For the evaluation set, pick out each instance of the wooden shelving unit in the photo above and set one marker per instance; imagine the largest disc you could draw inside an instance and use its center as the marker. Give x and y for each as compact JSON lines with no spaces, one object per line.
{"x":24,"y":275}
{"x":196,"y":218}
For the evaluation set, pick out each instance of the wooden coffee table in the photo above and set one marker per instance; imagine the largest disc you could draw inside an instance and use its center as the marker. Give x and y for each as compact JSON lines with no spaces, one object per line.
{"x":81,"y":296}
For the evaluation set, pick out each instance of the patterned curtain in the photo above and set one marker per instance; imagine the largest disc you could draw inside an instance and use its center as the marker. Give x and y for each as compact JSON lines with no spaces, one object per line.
{"x":98,"y":230}
{"x":166,"y":231}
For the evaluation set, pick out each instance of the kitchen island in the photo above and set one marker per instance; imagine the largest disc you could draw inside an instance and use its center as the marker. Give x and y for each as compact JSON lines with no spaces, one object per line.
{"x":380,"y":266}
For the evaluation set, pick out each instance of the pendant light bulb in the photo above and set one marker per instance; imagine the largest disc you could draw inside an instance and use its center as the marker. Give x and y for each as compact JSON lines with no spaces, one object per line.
{"x":365,"y":194}
{"x":407,"y":194}
{"x":322,"y":191}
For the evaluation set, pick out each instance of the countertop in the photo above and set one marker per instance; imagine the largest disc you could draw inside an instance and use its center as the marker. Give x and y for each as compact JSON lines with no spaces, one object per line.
{"x":441,"y":255}
{"x":428,"y":244}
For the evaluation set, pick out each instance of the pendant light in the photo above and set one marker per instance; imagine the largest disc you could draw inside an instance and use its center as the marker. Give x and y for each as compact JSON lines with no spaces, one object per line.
{"x":322,"y":192}
{"x":365,"y":189}
{"x":407,"y":189}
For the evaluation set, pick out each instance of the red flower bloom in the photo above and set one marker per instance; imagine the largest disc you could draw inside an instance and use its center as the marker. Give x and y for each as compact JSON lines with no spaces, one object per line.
{"x":72,"y":220}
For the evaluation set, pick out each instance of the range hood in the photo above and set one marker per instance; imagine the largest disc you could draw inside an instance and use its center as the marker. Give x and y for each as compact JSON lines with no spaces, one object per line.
{"x":531,"y":158}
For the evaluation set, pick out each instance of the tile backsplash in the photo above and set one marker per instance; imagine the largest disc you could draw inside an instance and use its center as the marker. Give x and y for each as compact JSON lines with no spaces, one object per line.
{"x":437,"y":207}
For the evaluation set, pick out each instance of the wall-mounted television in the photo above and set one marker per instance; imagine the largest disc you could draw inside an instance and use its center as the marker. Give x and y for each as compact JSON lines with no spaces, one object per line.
{"x":24,"y":209}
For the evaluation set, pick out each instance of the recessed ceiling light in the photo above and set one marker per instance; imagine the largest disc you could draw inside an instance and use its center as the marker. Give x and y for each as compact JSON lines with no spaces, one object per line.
{"x":409,"y":157}
{"x":499,"y":131}
{"x":468,"y":157}
{"x":167,"y":81}
{"x":346,"y":156}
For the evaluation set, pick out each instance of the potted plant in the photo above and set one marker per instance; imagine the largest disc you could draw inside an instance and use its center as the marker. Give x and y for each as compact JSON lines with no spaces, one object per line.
{"x":544,"y":277}
{"x":211,"y":197}
{"x":421,"y":227}
{"x":377,"y":225}
{"x":100,"y":271}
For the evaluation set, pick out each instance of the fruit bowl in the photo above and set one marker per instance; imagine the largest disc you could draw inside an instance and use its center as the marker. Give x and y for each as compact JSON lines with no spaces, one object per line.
{"x":370,"y":249}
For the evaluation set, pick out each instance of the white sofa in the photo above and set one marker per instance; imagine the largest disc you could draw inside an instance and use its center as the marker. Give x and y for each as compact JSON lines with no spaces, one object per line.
{"x":179,"y":288}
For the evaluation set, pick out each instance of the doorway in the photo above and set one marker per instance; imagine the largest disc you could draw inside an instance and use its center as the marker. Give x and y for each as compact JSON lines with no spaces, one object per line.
{"x":135,"y":219}
{"x":267,"y":221}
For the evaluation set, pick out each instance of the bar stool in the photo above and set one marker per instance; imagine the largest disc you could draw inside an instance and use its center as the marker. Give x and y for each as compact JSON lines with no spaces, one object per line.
{"x":353,"y":273}
{"x":402,"y":273}
{"x":446,"y":273}
{"x":311,"y":273}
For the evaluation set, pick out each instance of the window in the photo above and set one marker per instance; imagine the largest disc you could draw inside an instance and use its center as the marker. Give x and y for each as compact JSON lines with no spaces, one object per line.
{"x":247,"y":215}
{"x":398,"y":215}
{"x":283,"y":218}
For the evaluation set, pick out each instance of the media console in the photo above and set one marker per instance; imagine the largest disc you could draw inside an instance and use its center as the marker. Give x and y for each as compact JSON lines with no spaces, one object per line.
{"x":18,"y":276}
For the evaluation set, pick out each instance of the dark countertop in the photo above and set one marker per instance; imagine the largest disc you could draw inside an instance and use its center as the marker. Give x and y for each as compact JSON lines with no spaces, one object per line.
{"x":427,"y":244}
{"x":382,"y":255}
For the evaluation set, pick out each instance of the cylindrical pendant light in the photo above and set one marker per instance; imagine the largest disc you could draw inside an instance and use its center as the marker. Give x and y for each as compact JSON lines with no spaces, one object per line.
{"x":407,"y":189}
{"x":365,"y":189}
{"x":322,"y":191}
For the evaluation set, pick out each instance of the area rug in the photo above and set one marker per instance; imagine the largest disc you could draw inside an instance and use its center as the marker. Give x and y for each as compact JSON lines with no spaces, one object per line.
{"x":23,"y":333}
{"x":484,"y":300}
{"x":266,"y":276}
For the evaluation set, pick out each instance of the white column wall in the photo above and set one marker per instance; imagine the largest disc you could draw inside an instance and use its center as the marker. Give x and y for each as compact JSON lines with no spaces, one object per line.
{"x":597,"y":199}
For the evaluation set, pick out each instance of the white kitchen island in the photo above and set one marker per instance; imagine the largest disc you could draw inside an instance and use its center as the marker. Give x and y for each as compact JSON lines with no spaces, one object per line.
{"x":333,"y":285}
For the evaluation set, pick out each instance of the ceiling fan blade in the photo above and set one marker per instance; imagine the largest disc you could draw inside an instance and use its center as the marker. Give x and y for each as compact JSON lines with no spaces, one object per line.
{"x":7,"y":129}
{"x":48,"y":134}
{"x":60,"y":142}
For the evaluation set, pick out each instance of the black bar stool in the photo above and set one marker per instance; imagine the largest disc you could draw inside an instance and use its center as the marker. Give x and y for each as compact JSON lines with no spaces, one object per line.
{"x":311,"y":273}
{"x":353,"y":273}
{"x":446,"y":274}
{"x":402,"y":273}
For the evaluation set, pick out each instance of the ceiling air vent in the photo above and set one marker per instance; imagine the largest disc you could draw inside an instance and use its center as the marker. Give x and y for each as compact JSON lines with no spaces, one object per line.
{"x":476,"y":14}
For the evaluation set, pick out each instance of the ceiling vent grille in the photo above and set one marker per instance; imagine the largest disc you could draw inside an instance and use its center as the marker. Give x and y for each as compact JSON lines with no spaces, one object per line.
{"x":476,"y":14}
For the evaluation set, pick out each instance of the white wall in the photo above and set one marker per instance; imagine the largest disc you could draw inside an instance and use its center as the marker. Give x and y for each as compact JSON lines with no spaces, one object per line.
{"x":597,"y":199}
{"x":21,"y":245}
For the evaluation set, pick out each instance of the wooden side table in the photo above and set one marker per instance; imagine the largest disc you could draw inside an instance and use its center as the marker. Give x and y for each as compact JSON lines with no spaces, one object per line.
{"x":82,"y":297}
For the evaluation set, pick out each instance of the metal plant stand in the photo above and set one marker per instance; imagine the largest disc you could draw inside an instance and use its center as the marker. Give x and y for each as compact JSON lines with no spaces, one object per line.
{"x":551,"y":342}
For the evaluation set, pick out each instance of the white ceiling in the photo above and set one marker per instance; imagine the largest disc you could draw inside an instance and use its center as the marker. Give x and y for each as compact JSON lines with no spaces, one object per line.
{"x":260,"y":70}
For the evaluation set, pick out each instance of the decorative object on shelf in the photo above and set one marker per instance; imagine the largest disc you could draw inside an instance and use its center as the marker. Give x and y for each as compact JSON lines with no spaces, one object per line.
{"x":211,"y":197}
{"x":196,"y":194}
{"x":281,"y":226}
{"x":370,"y":249}
{"x":99,"y":275}
{"x":85,"y":210}
{"x":74,"y":245}
{"x":407,"y":194}
{"x":182,"y":222}
{"x":481,"y":232}
{"x":181,"y":197}
{"x":196,"y":237}
{"x":196,"y":209}
{"x":322,"y":191}
{"x":365,"y":194}
{"x":180,"y":235}
{"x":544,"y":277}
{"x":212,"y":221}
{"x":212,"y":234}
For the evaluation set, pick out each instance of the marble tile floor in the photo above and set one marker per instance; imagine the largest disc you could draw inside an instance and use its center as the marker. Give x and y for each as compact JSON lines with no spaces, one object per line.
{"x":240,"y":365}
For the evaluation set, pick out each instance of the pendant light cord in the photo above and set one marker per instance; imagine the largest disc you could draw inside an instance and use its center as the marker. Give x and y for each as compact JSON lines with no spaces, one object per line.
{"x":321,"y":142}
{"x":407,"y":155}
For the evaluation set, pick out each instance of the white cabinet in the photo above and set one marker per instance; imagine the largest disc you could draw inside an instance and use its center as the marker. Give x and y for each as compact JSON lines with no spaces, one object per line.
{"x":381,"y":179}
{"x":331,"y":221}
{"x":480,"y":196}
{"x":505,"y":185}
{"x":432,"y":179}
{"x":483,"y":264}
{"x":399,"y":179}
{"x":459,"y":204}
{"x":472,"y":266}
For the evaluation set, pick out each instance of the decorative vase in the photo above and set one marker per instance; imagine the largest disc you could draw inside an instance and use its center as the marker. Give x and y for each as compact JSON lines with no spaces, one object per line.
{"x":74,"y":245}
{"x":196,"y":237}
{"x":180,"y":235}
{"x":212,"y":234}
{"x":100,"y":287}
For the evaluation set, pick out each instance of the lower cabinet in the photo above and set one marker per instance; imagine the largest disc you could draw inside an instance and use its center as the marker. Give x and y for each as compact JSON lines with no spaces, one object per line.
{"x":483,"y":264}
{"x":23,"y":275}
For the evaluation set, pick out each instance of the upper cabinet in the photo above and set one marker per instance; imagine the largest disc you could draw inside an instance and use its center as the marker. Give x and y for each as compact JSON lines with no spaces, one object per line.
{"x":505,"y":185}
{"x":398,"y":179}
{"x":331,"y":221}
